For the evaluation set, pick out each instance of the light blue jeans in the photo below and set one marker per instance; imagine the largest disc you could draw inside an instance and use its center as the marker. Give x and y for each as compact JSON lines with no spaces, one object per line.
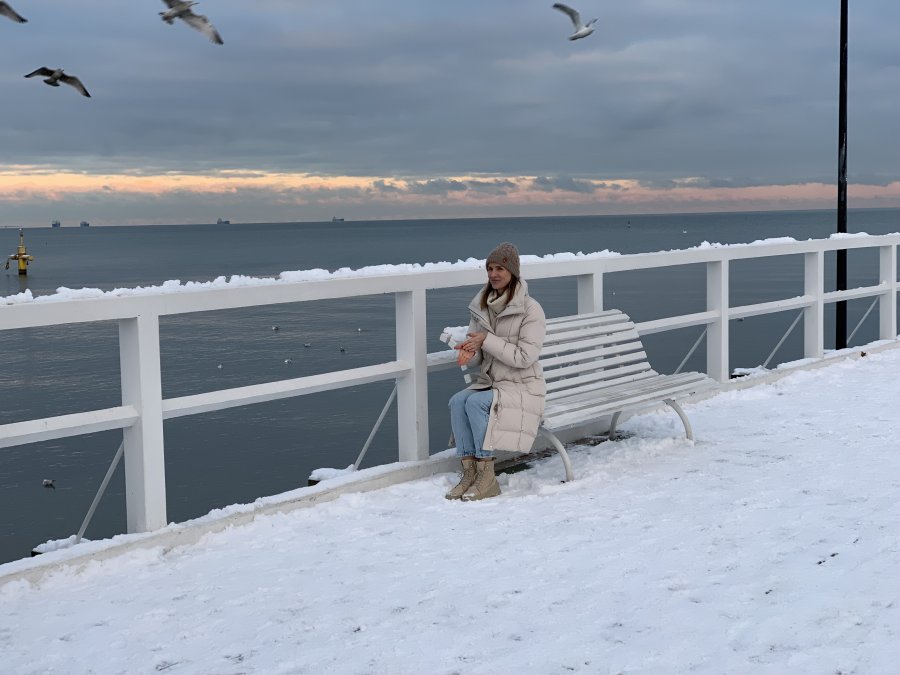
{"x":469,"y":413}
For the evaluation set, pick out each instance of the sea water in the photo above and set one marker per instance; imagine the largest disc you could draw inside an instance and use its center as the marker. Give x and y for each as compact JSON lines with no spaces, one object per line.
{"x":237,"y":455}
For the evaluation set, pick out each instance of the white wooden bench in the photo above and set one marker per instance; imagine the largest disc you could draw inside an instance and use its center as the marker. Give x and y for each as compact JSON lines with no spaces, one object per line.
{"x":596,"y":366}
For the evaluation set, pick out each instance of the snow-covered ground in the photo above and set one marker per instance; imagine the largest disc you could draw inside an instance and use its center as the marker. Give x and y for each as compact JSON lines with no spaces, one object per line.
{"x":771,"y":545}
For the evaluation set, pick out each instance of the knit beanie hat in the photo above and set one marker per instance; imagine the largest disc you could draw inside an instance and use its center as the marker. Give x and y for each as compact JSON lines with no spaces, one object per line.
{"x":507,"y":255}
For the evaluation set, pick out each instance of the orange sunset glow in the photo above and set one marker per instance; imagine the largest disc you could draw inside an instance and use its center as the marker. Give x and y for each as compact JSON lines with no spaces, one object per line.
{"x":24,"y":184}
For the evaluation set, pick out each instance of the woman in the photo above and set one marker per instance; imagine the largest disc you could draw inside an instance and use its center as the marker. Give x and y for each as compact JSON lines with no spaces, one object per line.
{"x":502,"y":409}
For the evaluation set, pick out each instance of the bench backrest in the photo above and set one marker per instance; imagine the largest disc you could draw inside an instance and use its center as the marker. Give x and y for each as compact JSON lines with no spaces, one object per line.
{"x":590,"y":351}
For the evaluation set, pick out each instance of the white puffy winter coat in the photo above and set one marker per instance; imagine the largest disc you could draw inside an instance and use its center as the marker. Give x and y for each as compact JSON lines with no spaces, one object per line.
{"x":509,"y":366}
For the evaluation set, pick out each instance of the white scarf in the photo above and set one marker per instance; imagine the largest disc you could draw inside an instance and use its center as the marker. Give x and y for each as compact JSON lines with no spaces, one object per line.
{"x":496,"y":303}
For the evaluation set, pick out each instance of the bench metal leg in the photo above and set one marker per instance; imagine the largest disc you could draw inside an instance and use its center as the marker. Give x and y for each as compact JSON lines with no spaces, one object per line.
{"x":687,"y":424}
{"x":562,"y":453}
{"x":611,"y":434}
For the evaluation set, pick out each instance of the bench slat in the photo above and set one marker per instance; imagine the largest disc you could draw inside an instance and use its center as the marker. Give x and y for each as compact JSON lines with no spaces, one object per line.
{"x":583,"y":339}
{"x":599,"y":378}
{"x":566,"y":402}
{"x":592,"y":363}
{"x":632,"y":403}
{"x":596,"y":375}
{"x":586,"y":324}
{"x":622,"y":378}
{"x":587,"y":355}
{"x":560,"y":322}
{"x":566,"y":412}
{"x":608,"y":323}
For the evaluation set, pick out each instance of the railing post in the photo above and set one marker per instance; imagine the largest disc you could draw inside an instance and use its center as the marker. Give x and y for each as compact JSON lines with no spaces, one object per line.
{"x":814,"y":315}
{"x":590,"y":293}
{"x":717,"y":300}
{"x":412,"y":389}
{"x":145,"y":469}
{"x":887,"y":303}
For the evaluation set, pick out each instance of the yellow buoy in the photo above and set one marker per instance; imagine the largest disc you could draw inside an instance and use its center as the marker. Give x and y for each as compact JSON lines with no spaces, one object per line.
{"x":21,"y":255}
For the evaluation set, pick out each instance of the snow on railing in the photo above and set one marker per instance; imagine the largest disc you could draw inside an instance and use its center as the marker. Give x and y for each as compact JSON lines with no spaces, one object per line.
{"x":138,"y":310}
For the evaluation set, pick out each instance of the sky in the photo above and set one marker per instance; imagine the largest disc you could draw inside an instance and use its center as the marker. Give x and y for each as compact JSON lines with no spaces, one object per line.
{"x":455,"y":109}
{"x":767,"y":545}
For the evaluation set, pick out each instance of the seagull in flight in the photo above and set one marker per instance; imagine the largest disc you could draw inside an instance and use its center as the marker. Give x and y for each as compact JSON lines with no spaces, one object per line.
{"x":10,"y":13}
{"x":581,"y":30}
{"x":55,"y":76}
{"x":181,"y":9}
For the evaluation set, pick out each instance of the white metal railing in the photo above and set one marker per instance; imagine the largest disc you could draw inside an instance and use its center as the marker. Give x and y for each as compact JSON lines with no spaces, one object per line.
{"x":143,"y":410}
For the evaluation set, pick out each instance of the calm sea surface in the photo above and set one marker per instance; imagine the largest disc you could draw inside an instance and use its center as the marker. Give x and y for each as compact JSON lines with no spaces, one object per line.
{"x":237,"y":455}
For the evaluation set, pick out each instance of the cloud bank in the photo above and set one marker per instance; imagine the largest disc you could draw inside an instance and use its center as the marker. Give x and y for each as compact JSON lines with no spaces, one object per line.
{"x":437,"y":109}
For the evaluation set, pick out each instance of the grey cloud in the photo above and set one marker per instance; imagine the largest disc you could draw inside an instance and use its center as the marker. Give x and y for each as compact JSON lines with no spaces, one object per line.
{"x":663,"y":90}
{"x":444,"y":186}
{"x":435,"y":186}
{"x":494,"y":187}
{"x":873,"y":179}
{"x":384,"y":187}
{"x":759,"y":181}
{"x":562,"y":183}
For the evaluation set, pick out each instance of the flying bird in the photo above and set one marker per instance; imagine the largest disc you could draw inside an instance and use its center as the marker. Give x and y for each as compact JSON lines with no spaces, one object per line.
{"x":54,"y":77}
{"x":48,"y":483}
{"x":181,"y":9}
{"x":11,"y":14}
{"x":582,"y":30}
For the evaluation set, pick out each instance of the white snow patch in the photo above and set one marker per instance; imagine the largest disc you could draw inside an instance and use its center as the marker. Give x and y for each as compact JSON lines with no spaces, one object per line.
{"x":58,"y":544}
{"x":769,"y":545}
{"x":327,"y":474}
{"x":236,"y":281}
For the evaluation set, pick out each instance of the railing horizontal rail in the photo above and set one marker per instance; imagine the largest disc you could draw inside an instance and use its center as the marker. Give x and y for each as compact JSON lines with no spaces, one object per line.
{"x":62,"y":426}
{"x":856,"y":293}
{"x":271,"y":291}
{"x":273,"y":391}
{"x":442,"y":360}
{"x":91,"y":421}
{"x":786,"y":305}
{"x":138,"y":313}
{"x":675,"y":322}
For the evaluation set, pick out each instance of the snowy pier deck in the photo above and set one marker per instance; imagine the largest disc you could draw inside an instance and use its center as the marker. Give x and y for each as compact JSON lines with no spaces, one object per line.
{"x":770,"y":545}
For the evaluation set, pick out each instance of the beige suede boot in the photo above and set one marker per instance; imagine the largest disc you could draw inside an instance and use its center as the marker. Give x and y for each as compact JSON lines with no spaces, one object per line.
{"x":485,"y":484}
{"x":465,"y":481}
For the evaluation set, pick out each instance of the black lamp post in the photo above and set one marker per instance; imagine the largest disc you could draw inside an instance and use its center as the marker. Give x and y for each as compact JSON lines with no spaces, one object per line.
{"x":840,"y":316}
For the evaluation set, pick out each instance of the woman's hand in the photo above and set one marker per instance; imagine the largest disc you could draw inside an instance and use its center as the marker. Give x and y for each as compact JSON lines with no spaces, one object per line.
{"x":464,"y":355}
{"x":469,"y":348}
{"x":474,"y":342}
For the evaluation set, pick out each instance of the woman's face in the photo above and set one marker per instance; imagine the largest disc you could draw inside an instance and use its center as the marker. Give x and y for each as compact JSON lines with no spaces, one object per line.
{"x":498,"y":276}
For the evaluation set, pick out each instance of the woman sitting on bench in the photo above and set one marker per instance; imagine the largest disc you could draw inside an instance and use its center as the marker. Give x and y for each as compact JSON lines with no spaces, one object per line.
{"x":502,"y":408}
